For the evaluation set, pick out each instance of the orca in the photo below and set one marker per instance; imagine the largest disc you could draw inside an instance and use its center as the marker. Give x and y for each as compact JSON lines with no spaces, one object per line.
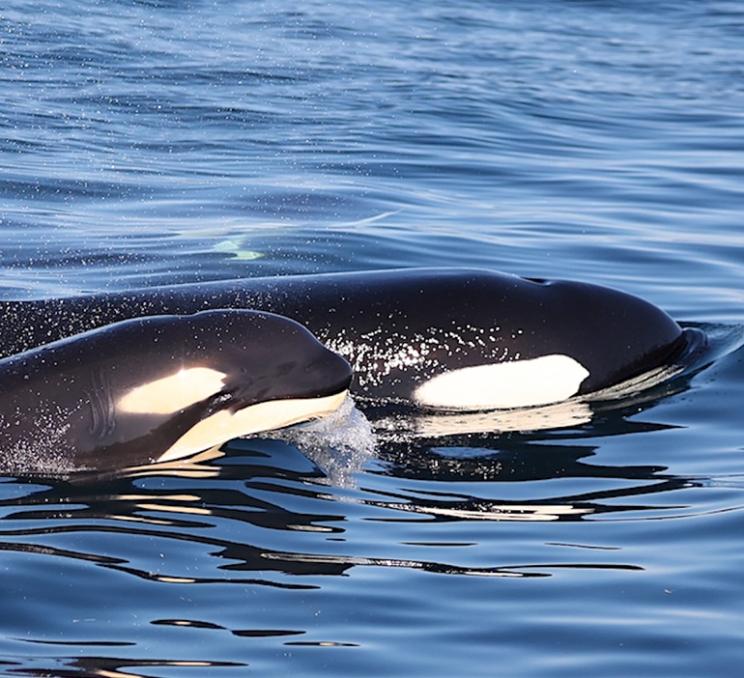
{"x":161,"y":388}
{"x":452,"y":339}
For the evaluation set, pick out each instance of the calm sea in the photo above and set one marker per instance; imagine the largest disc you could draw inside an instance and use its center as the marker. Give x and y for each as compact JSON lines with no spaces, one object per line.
{"x":158,"y":141}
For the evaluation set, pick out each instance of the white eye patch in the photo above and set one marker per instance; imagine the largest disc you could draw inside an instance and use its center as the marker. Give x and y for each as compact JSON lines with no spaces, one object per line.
{"x":520,"y":383}
{"x":174,"y":392}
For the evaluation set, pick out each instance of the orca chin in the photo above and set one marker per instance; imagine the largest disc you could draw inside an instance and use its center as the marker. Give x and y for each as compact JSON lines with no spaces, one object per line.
{"x":162,"y":388}
{"x":452,"y":339}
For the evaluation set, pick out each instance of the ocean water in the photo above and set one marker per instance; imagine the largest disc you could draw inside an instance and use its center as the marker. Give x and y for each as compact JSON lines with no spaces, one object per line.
{"x":158,"y":141}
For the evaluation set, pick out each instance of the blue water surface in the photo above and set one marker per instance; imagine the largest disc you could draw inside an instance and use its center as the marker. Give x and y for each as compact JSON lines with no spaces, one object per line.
{"x":145,"y":142}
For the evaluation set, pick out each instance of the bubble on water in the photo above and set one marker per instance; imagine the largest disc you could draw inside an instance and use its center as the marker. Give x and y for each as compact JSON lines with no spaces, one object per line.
{"x":339,"y":444}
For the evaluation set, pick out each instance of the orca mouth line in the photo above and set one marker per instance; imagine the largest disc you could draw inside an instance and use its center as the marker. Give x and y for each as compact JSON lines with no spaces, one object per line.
{"x":707,"y":343}
{"x":695,"y":351}
{"x":692,"y":354}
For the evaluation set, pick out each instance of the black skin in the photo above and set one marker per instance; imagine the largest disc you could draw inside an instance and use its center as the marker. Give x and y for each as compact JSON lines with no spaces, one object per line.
{"x":57,"y":404}
{"x":616,"y":336}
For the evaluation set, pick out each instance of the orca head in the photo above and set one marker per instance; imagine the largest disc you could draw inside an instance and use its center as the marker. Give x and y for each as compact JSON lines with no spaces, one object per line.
{"x":534,"y":342}
{"x":478,"y":341}
{"x":237,"y":373}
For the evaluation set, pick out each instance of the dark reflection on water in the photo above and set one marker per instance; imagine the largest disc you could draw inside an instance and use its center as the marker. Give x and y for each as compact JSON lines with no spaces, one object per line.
{"x":113,"y":667}
{"x":124,"y":507}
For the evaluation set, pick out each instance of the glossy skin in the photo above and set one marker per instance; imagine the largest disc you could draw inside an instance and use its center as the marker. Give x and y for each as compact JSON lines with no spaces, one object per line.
{"x":400,"y":328}
{"x":61,"y":406}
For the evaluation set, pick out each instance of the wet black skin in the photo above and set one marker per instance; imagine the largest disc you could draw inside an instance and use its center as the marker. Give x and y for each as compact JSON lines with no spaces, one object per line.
{"x":365,"y":316}
{"x":58,"y":402}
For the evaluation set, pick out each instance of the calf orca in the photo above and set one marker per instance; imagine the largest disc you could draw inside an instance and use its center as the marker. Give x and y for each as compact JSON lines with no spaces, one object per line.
{"x":438,"y":338}
{"x":161,"y":388}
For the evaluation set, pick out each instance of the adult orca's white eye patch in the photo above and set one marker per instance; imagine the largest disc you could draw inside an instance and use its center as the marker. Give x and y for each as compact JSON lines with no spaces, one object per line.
{"x":174,"y":392}
{"x":520,"y":383}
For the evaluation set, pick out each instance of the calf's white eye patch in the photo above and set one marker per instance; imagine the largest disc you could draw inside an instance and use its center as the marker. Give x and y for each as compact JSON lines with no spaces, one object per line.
{"x":174,"y":392}
{"x":520,"y":383}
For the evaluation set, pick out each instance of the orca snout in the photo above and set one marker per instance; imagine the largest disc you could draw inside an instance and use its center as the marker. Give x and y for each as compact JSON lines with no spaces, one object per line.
{"x":328,"y":374}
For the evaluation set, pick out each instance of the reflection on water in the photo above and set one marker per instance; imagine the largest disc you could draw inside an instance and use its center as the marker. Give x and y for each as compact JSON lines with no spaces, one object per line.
{"x":149,"y":512}
{"x":109,"y":667}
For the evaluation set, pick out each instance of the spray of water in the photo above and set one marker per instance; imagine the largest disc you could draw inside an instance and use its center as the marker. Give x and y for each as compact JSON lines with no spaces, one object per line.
{"x":338,"y":444}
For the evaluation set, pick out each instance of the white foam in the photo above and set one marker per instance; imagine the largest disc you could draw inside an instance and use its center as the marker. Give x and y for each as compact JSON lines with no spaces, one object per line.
{"x":339,"y":443}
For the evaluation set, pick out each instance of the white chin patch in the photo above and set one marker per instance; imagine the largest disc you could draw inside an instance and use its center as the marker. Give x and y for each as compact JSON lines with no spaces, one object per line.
{"x":520,"y":383}
{"x":272,"y":414}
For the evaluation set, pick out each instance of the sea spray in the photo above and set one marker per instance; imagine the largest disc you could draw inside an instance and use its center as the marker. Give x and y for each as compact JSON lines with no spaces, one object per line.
{"x":339,"y":444}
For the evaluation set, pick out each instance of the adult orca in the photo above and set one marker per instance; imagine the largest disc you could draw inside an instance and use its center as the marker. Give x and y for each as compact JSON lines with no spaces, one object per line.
{"x":161,"y":388}
{"x":439,"y":338}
